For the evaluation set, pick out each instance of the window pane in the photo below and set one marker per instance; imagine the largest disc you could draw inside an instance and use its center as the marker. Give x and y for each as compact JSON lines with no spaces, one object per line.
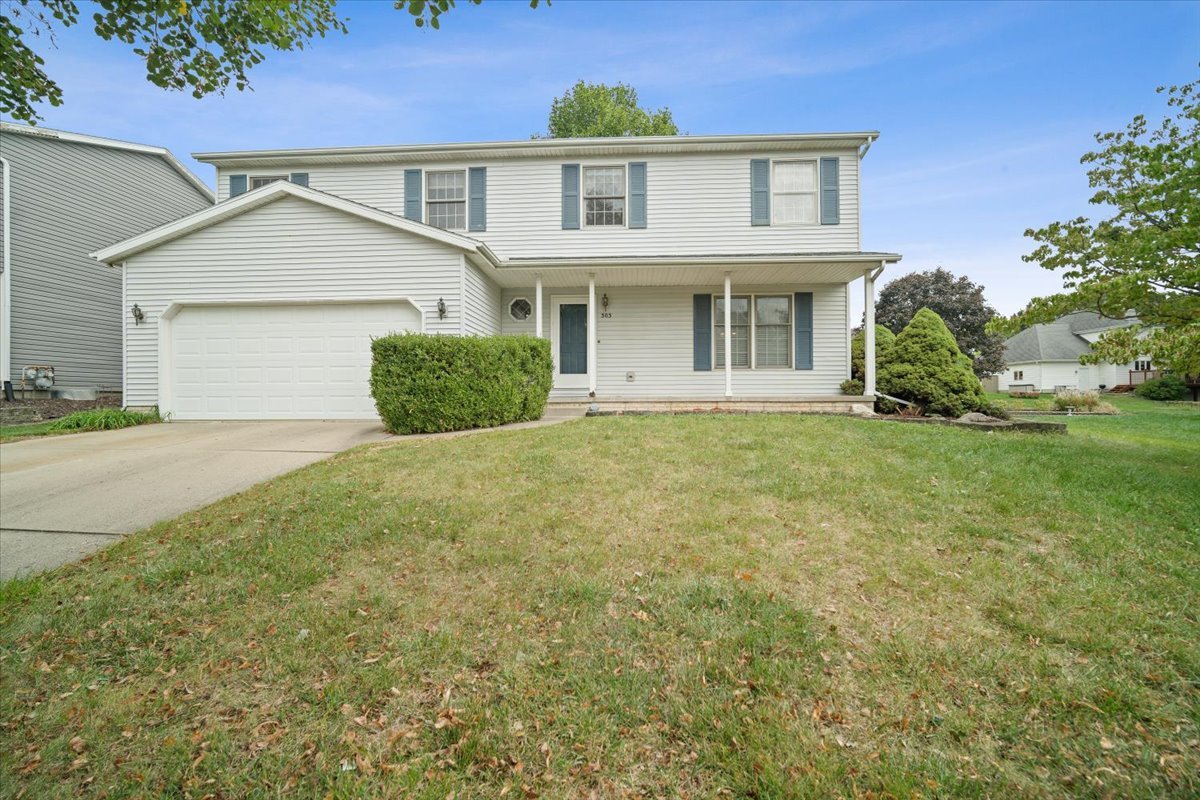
{"x":772,"y":310}
{"x":446,"y":186}
{"x":740,"y":338}
{"x":795,"y":176}
{"x":604,"y":182}
{"x":258,"y":181}
{"x":448,"y":215}
{"x":771,"y":345}
{"x":604,"y":212}
{"x":794,"y":208}
{"x":739,"y":311}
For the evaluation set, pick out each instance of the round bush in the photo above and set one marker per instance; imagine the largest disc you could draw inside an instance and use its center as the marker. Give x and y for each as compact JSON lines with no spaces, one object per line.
{"x":424,"y":383}
{"x":925,"y":367}
{"x":853,"y":386}
{"x":858,"y":349}
{"x":1168,"y":387}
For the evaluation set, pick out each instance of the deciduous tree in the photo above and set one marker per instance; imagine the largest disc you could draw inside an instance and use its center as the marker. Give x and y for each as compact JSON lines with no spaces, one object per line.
{"x":596,"y":109}
{"x":1144,"y":259}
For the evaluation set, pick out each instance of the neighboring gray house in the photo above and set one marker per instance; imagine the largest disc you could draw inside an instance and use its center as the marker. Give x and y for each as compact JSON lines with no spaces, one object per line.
{"x":1046,"y":357}
{"x":64,"y":195}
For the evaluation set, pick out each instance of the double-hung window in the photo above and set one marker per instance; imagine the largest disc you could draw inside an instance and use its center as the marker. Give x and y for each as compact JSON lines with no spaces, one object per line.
{"x":446,"y":199}
{"x":760,"y":331}
{"x":794,"y":193}
{"x":603,"y":196}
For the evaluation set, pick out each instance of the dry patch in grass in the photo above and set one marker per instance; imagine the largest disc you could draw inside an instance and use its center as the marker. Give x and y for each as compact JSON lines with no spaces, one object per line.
{"x":693,"y":606}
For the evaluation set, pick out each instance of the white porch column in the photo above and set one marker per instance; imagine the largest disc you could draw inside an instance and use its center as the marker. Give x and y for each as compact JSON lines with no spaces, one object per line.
{"x":537,"y":308}
{"x":728,"y":340}
{"x":591,"y":332}
{"x":869,"y":330}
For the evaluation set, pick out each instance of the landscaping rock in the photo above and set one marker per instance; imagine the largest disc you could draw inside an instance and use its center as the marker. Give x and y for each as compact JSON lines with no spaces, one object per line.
{"x":974,"y":417}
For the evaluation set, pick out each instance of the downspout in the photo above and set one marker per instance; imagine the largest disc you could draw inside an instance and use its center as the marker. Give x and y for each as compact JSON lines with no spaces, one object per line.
{"x":6,"y":288}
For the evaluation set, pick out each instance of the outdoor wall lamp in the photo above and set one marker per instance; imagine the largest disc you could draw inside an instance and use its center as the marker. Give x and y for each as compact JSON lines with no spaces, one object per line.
{"x":139,"y":316}
{"x":604,"y":301}
{"x":441,"y":308}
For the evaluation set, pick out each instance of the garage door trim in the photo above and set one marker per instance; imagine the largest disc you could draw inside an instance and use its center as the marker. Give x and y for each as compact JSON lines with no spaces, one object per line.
{"x":165,"y":335}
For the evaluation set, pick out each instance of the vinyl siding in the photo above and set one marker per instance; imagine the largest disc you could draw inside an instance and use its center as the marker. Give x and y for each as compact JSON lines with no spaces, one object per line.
{"x":481,"y":303}
{"x":70,"y":199}
{"x":650,"y":334}
{"x":290,"y":249}
{"x":695,"y":204}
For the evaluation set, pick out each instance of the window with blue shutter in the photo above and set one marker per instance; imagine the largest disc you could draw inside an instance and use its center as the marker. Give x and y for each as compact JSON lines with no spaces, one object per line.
{"x":237,"y":185}
{"x":570,"y":197}
{"x":702,"y":332}
{"x":760,"y":191}
{"x":412,"y":194}
{"x":830,"y":208}
{"x":637,"y":194}
{"x":477,"y":199}
{"x":804,"y":330}
{"x":299,"y":178}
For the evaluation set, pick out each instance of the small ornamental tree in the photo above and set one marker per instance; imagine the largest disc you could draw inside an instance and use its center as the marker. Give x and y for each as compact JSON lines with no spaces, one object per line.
{"x":925,"y":367}
{"x":858,"y":350}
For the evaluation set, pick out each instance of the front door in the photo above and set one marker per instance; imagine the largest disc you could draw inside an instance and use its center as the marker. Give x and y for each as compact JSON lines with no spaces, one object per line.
{"x":569,"y":335}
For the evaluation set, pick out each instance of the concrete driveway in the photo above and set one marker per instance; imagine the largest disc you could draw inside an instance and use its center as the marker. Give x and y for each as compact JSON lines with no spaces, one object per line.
{"x":62,"y":497}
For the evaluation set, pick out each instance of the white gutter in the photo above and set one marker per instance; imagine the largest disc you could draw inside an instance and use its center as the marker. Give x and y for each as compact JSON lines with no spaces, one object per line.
{"x":862,"y":150}
{"x":6,"y":282}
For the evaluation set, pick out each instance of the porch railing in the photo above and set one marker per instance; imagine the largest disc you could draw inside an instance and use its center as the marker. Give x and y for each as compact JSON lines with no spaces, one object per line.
{"x":1139,"y":376}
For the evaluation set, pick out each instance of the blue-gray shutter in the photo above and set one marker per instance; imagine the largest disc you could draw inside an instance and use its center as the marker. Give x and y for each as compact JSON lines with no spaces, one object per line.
{"x":412,"y":194}
{"x":830,"y":211}
{"x":570,"y":197}
{"x":760,"y":191}
{"x":702,"y":332}
{"x":637,"y":194}
{"x":477,"y":199}
{"x":804,"y":330}
{"x":299,"y":178}
{"x":237,"y":185}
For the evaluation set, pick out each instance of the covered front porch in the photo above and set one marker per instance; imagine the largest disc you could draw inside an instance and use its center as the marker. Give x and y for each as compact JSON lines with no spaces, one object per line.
{"x":730,"y":334}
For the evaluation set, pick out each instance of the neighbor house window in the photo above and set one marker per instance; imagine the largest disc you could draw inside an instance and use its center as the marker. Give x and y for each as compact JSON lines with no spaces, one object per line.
{"x":259,"y":181}
{"x":1018,"y":375}
{"x":603,"y":196}
{"x":1141,"y":365}
{"x":760,"y":331}
{"x":446,"y":199}
{"x":794,"y":193}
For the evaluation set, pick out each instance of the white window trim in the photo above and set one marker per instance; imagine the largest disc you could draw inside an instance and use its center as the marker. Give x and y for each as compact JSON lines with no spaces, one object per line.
{"x":816,"y":192}
{"x":466,"y":196}
{"x":753,"y":326}
{"x":250,"y":179}
{"x":583,"y":198}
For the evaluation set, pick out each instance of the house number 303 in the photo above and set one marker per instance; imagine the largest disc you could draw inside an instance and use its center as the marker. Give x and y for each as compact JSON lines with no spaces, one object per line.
{"x":605,"y":315}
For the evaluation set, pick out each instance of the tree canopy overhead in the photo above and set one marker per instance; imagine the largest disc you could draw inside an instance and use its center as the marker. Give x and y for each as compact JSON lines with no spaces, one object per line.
{"x":959,"y":303}
{"x":1144,"y":259}
{"x":596,"y":109}
{"x":204,"y":46}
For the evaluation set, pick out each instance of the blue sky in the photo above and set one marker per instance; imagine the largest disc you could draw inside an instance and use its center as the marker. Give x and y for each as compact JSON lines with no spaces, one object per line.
{"x":984,"y":108}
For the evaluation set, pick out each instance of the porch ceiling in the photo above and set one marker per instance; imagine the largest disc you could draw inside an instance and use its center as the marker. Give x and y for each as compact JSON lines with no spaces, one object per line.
{"x":643,"y":274}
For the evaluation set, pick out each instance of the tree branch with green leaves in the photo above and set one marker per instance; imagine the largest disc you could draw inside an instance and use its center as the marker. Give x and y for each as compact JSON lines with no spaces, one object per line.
{"x":1144,"y":260}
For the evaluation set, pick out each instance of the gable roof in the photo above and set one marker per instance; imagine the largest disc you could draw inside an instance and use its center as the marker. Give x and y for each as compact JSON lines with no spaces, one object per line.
{"x":1059,"y":340}
{"x":115,"y":144}
{"x":542,"y":148}
{"x":277,"y":191}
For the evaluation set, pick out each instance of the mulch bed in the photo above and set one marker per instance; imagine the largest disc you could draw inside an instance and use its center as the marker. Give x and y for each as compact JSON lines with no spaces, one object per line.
{"x":47,"y":409}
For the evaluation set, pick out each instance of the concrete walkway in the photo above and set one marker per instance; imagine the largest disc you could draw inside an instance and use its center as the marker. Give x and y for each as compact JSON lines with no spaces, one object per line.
{"x":62,"y":497}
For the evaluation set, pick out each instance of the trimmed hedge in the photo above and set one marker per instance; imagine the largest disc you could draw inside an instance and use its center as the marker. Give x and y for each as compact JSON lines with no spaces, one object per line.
{"x":425,"y":383}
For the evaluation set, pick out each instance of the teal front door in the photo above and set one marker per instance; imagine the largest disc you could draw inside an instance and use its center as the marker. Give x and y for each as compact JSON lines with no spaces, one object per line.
{"x":572,"y":339}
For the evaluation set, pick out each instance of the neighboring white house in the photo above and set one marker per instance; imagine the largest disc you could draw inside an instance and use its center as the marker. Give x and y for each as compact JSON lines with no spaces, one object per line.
{"x":684,"y":268}
{"x":1046,"y":357}
{"x":62,"y":195}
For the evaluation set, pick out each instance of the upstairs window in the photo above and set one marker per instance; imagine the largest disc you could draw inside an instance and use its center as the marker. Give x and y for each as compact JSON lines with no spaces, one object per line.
{"x":446,"y":199}
{"x":603,"y":196}
{"x":794,"y":193}
{"x":259,"y":181}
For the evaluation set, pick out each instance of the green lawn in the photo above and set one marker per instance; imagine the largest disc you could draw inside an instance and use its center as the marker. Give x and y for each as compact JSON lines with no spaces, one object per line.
{"x":12,"y":433}
{"x":699,"y":606}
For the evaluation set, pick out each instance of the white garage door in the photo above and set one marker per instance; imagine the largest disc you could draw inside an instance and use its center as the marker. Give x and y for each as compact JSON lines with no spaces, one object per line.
{"x":279,"y":361}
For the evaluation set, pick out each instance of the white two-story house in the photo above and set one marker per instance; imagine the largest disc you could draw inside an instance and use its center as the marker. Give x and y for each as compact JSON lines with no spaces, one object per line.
{"x":694,"y":269}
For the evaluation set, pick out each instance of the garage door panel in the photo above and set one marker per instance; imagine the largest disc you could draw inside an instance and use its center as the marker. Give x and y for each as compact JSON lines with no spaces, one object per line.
{"x":303,"y":361}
